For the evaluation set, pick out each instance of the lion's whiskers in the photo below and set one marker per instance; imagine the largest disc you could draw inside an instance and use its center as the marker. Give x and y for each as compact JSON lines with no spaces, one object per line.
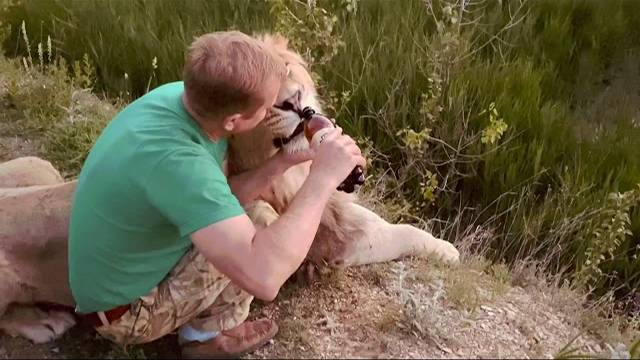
{"x":280,"y":125}
{"x":298,"y":144}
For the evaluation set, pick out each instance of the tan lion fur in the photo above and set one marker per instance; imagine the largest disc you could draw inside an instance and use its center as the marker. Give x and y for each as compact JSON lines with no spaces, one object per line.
{"x":33,"y":249}
{"x":349,"y":234}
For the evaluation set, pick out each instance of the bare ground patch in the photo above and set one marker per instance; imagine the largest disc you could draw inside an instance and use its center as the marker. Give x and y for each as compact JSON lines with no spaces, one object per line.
{"x":413,"y":308}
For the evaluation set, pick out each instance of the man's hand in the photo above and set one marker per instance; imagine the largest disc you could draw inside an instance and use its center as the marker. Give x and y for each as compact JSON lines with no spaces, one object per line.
{"x":249,"y":185}
{"x":335,"y":157}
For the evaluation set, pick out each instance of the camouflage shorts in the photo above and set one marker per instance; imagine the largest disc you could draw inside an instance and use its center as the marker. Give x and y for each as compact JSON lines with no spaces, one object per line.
{"x":194,"y":292}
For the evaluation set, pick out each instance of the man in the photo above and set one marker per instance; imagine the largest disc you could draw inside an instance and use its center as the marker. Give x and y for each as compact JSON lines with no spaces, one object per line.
{"x":158,"y":238}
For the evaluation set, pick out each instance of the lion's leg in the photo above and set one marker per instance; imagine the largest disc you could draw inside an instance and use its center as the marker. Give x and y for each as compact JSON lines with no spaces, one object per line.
{"x":33,"y":241}
{"x":28,"y":171}
{"x":33,"y":259}
{"x":32,"y":215}
{"x":261,"y":213}
{"x":379,"y":241}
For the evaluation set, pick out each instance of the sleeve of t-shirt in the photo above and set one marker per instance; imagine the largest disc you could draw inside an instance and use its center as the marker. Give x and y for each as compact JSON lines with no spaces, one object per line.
{"x":189,"y":188}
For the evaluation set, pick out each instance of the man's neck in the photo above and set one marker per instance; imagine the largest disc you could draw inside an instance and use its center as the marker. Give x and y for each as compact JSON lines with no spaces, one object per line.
{"x":213,"y":129}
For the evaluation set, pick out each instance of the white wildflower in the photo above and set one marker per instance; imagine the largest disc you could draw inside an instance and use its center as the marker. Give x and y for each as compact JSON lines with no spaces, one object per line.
{"x":40,"y":54}
{"x":49,"y":50}
{"x":26,"y":40}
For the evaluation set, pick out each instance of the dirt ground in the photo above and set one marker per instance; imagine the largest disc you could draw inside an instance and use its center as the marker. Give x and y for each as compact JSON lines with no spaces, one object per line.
{"x":404,"y":309}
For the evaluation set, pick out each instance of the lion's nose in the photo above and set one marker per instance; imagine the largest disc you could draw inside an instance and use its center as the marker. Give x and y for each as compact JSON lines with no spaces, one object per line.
{"x":292,"y":103}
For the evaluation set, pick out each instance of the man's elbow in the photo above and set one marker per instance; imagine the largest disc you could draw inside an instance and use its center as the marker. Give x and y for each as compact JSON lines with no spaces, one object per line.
{"x":263,"y":287}
{"x":266,"y":290}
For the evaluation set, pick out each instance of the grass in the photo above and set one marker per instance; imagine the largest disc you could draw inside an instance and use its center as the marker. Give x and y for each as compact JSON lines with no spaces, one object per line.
{"x":392,"y":315}
{"x":511,"y":121}
{"x":51,"y":108}
{"x":296,"y":334}
{"x":420,"y":301}
{"x":464,"y":292}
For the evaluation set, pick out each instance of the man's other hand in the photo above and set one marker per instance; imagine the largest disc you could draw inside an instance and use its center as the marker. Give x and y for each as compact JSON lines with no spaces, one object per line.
{"x":335,"y":157}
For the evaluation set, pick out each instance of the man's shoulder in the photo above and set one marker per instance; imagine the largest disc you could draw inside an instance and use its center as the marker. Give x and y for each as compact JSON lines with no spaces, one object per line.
{"x":166,"y":89}
{"x":157,"y":115}
{"x":164,"y":98}
{"x":170,"y":89}
{"x":152,"y":131}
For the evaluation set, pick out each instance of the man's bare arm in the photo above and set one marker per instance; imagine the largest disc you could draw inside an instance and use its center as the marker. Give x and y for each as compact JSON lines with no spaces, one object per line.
{"x":248,"y":186}
{"x":260,"y":261}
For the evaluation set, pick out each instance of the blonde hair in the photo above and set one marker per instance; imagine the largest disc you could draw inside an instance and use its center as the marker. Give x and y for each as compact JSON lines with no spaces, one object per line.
{"x":226,"y":72}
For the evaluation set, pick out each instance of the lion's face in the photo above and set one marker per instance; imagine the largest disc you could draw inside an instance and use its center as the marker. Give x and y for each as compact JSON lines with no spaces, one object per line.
{"x":297,"y":92}
{"x":250,"y":149}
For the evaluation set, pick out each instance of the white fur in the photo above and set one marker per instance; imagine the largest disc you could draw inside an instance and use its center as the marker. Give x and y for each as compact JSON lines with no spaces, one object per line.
{"x":36,"y":325}
{"x":349,"y":234}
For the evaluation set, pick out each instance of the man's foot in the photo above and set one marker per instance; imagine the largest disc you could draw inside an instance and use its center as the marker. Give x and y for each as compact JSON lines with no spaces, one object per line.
{"x":240,"y":340}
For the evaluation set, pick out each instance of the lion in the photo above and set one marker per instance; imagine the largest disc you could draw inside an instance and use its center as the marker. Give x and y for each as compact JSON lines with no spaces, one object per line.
{"x":349,"y":234}
{"x":35,"y":205}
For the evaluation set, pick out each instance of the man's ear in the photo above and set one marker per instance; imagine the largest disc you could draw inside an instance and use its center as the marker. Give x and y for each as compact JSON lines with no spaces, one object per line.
{"x":229,"y":123}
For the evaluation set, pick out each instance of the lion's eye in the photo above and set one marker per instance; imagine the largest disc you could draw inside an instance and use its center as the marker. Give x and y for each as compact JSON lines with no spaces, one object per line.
{"x":287,"y":106}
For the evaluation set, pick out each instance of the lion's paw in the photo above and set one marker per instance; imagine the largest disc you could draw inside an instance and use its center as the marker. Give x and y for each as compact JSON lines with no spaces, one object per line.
{"x":59,"y":322}
{"x":261,"y":213}
{"x":36,"y":325}
{"x":448,"y":253}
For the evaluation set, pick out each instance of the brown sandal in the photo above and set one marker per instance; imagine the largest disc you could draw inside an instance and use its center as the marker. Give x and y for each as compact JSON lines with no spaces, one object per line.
{"x":242,"y":339}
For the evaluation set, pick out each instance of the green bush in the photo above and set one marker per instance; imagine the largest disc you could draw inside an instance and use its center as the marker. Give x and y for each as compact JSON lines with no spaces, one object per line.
{"x":51,"y":107}
{"x":520,"y":117}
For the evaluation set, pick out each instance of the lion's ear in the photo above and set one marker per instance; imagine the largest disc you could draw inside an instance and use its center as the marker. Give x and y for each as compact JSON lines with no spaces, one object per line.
{"x":277,"y":41}
{"x":280,"y":42}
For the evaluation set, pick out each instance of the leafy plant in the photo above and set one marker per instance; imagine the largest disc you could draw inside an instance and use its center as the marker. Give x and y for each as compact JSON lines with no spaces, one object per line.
{"x":477,"y":114}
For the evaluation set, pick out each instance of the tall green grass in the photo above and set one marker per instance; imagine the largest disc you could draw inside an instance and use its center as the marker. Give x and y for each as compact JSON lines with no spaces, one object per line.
{"x":416,"y":82}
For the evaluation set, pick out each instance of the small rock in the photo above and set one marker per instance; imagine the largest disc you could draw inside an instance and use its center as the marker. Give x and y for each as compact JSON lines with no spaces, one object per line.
{"x":486,"y":308}
{"x":446,"y":349}
{"x":55,"y":350}
{"x":541,"y":335}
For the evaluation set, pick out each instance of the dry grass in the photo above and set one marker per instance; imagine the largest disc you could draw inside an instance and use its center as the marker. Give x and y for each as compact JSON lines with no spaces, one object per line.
{"x":392,"y":318}
{"x":463,"y":290}
{"x":295,"y":336}
{"x":53,"y":108}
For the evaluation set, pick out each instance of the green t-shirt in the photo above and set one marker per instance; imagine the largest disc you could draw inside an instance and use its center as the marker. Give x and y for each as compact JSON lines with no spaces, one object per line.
{"x":152,"y":178}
